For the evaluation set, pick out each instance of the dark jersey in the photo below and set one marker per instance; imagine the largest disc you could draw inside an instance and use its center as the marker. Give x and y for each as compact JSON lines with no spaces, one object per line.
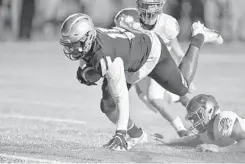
{"x":132,"y":47}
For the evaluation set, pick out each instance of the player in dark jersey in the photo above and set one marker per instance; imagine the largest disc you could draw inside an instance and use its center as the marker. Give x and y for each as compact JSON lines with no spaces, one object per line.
{"x":125,"y":57}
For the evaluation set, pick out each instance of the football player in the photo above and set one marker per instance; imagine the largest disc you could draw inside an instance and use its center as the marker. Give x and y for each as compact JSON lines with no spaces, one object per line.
{"x":214,"y":130}
{"x":123,"y":58}
{"x":149,"y":16}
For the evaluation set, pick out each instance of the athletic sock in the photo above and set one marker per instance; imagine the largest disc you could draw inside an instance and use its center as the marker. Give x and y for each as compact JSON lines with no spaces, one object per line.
{"x":134,"y":131}
{"x":178,"y":124}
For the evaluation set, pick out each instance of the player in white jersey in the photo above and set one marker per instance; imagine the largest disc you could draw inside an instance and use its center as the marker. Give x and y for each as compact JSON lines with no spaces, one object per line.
{"x":149,"y":16}
{"x":214,"y":130}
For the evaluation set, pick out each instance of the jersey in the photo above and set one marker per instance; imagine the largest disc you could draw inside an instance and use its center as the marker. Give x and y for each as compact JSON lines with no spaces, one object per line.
{"x":132,"y":47}
{"x":167,"y":27}
{"x":222,"y":128}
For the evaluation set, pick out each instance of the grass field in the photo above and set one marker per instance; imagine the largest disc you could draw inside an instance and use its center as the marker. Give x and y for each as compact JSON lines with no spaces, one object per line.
{"x":46,"y":116}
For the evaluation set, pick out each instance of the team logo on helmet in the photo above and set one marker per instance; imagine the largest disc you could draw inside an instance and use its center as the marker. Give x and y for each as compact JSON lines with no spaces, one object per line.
{"x":201,"y":109}
{"x":77,"y":35}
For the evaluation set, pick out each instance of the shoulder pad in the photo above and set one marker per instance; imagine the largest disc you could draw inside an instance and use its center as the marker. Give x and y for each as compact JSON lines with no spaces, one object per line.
{"x":171,"y":26}
{"x":226,"y":122}
{"x":127,"y":18}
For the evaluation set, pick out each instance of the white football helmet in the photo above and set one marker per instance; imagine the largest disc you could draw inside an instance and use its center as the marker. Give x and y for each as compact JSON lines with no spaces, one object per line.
{"x":201,"y":110}
{"x":149,"y":10}
{"x":77,"y":35}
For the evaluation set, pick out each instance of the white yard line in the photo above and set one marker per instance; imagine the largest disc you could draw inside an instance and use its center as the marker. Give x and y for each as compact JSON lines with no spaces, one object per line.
{"x":43,"y":119}
{"x":28,"y":158}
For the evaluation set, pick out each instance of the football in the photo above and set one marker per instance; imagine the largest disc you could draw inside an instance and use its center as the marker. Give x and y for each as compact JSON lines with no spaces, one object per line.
{"x":91,"y":75}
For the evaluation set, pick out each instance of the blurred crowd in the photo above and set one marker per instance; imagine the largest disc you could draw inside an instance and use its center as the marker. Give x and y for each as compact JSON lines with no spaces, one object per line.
{"x":41,"y":19}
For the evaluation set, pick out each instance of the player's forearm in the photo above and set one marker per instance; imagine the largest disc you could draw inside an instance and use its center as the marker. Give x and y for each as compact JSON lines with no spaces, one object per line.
{"x":237,"y":147}
{"x":123,"y":108}
{"x":192,"y":140}
{"x":118,"y":88}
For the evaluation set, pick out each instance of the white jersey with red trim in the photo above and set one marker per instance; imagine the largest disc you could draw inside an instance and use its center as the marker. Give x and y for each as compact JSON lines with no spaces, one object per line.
{"x":167,"y":27}
{"x":223,"y":125}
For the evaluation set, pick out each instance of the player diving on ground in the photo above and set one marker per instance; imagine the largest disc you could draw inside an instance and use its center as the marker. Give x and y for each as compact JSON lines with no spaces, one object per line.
{"x":125,"y":57}
{"x":214,"y":130}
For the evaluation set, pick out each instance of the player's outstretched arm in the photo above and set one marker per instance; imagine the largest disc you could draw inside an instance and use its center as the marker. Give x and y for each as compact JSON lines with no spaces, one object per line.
{"x":238,"y":134}
{"x":118,"y":87}
{"x":191,"y":141}
{"x":114,"y":72}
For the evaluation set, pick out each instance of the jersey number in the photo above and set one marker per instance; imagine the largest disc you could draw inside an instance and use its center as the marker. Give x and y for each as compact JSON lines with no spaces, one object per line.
{"x":118,"y":32}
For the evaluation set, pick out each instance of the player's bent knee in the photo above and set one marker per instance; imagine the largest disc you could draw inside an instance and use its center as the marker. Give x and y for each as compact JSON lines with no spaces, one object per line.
{"x":107,"y":106}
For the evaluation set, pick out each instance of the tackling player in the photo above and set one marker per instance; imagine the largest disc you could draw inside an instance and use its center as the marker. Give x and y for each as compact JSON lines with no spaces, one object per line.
{"x":124,"y":58}
{"x":214,"y":130}
{"x":149,"y":16}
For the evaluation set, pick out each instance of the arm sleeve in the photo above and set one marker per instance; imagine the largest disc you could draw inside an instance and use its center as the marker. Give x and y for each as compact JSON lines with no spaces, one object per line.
{"x":114,"y":72}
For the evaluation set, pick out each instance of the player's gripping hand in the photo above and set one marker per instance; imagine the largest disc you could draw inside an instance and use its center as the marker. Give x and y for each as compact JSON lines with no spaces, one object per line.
{"x":87,"y":76}
{"x":118,"y":142}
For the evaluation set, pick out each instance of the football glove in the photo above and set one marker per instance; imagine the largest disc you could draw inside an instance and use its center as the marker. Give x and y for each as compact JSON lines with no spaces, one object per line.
{"x":118,"y":142}
{"x":81,"y":78}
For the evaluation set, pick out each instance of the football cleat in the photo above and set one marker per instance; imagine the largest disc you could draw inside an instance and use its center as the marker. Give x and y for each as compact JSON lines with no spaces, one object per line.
{"x":210,"y":36}
{"x":136,"y":141}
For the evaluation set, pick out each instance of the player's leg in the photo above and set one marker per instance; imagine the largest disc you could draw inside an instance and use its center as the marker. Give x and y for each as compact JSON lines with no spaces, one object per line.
{"x":155,"y":95}
{"x":141,"y":88}
{"x":177,"y":80}
{"x":200,"y":35}
{"x":189,"y":62}
{"x":172,"y":78}
{"x":108,"y":107}
{"x":152,"y":95}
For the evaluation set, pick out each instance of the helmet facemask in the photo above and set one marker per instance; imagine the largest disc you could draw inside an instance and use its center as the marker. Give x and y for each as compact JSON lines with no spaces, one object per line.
{"x":149,"y":10}
{"x":198,"y":121}
{"x":201,"y":118}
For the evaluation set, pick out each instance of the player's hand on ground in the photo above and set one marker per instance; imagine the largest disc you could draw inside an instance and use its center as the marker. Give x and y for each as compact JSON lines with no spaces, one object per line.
{"x":208,"y":148}
{"x":81,"y":78}
{"x":118,"y":142}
